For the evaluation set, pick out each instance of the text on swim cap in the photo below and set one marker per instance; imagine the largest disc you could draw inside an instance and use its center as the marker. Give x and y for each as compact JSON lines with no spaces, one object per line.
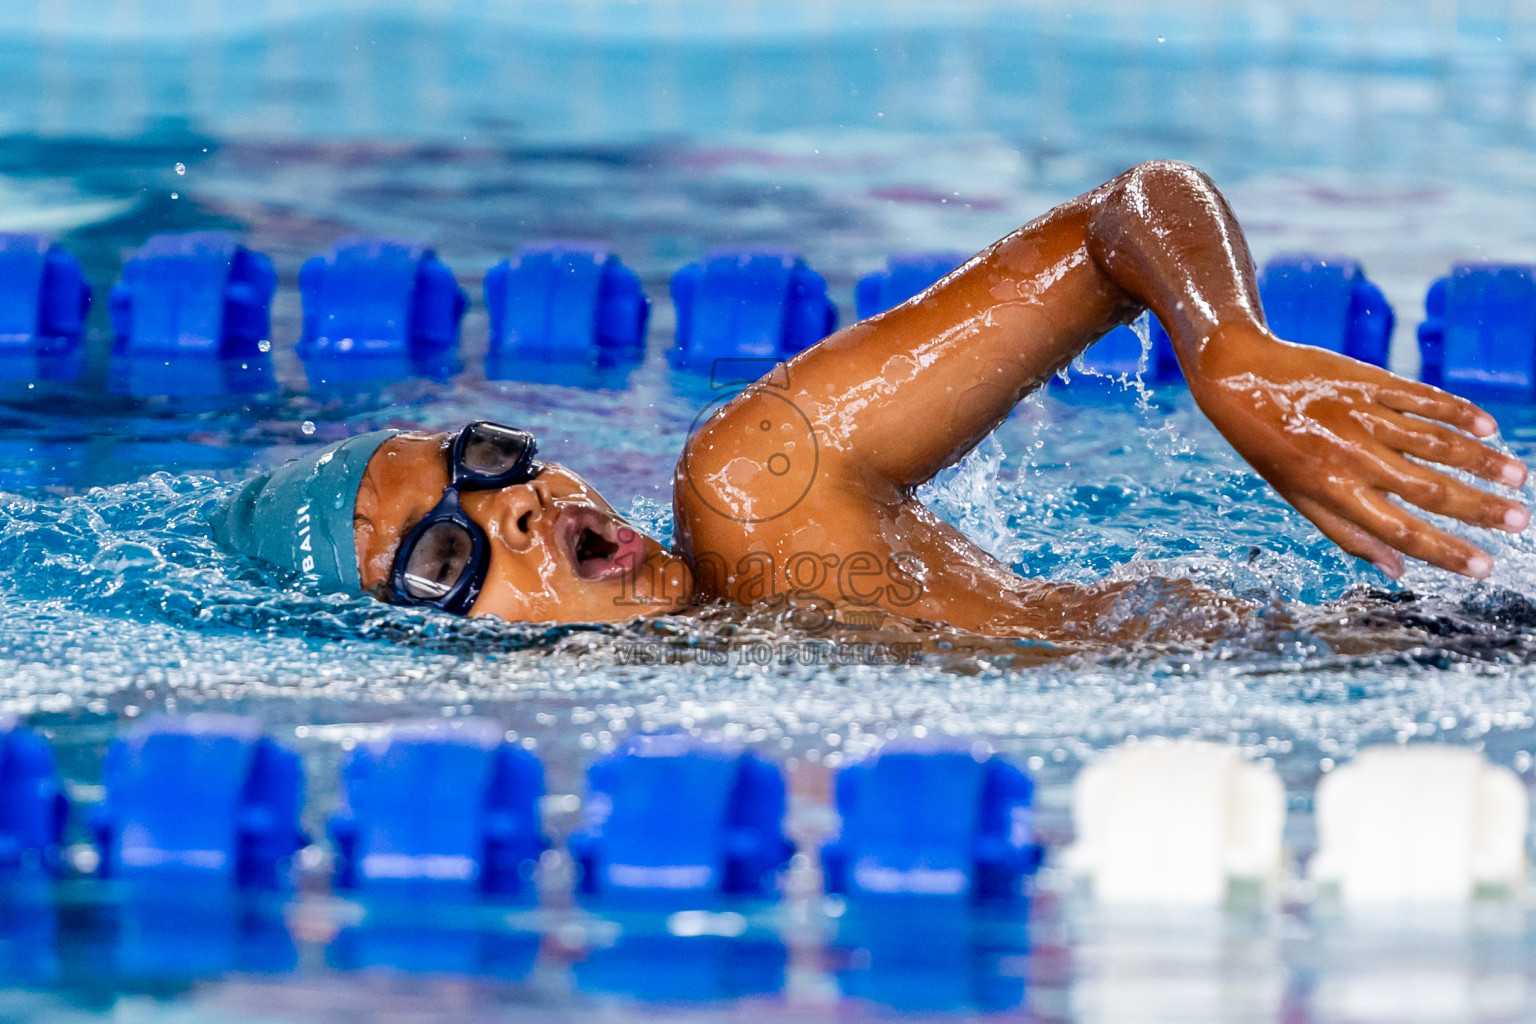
{"x":307,"y":565}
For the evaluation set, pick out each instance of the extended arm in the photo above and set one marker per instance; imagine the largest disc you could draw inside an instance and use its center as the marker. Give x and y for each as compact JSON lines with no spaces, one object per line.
{"x":894,"y":399}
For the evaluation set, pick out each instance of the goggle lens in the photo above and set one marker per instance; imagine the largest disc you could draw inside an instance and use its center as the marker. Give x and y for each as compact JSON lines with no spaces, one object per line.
{"x":444,"y":559}
{"x":490,"y":450}
{"x":438,"y":559}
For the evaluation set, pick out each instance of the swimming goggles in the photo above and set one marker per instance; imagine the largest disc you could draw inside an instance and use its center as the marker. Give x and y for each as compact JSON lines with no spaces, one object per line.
{"x":443,"y":560}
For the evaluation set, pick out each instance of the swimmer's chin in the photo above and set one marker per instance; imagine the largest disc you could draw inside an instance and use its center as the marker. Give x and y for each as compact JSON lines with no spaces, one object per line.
{"x":622,"y":613}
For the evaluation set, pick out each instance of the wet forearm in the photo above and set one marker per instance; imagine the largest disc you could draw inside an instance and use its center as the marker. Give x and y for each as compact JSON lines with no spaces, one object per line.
{"x":899,"y":396}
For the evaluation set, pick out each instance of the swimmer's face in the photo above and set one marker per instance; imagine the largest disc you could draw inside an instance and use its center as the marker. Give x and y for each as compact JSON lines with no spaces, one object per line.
{"x":559,"y":552}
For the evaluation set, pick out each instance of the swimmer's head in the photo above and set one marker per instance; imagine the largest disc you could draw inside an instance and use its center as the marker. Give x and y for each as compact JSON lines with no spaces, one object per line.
{"x":555,"y":550}
{"x":299,"y":516}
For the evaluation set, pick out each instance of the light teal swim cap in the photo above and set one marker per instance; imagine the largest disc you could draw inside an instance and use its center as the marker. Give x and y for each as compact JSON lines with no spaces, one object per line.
{"x":299,"y":516}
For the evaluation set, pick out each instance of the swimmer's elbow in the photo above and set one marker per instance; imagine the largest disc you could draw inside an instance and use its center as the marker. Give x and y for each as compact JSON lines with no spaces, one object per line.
{"x":1152,"y":184}
{"x":1172,"y":169}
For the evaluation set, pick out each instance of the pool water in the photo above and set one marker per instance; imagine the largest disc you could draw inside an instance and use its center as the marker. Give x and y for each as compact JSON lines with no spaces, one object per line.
{"x":663,"y":130}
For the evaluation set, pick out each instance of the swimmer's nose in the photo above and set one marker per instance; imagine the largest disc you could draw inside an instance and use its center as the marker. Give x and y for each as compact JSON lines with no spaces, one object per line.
{"x":517,"y":512}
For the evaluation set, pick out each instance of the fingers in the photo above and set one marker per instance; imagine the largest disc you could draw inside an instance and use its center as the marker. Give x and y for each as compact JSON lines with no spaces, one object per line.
{"x":1351,"y":538}
{"x":1382,"y":530}
{"x":1366,"y":524}
{"x":1434,"y":404}
{"x":1433,"y":491}
{"x":1416,"y":538}
{"x":1435,"y":443}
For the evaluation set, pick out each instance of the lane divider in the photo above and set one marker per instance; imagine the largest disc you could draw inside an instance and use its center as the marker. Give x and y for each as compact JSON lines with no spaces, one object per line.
{"x":376,"y":309}
{"x":1176,"y":824}
{"x":1422,"y":825}
{"x":454,"y":807}
{"x":680,"y":883}
{"x":667,"y":814}
{"x":199,"y":293}
{"x":925,"y":821}
{"x":748,"y":303}
{"x":429,"y":803}
{"x":565,"y":302}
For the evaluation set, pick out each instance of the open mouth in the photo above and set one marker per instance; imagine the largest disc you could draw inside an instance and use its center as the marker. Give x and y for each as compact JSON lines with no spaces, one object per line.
{"x":593,"y":547}
{"x":600,"y":547}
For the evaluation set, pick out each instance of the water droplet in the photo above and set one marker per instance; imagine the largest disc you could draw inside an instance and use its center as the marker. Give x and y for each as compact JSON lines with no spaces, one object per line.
{"x":1161,"y":39}
{"x":307,"y":427}
{"x":181,"y":168}
{"x":264,"y":345}
{"x":175,"y":195}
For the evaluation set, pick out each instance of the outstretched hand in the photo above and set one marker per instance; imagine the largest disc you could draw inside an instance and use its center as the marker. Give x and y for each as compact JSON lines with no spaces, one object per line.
{"x":1336,"y":436}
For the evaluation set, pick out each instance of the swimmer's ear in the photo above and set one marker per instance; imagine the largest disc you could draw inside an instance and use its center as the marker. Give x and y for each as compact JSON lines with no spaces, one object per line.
{"x":365,"y":525}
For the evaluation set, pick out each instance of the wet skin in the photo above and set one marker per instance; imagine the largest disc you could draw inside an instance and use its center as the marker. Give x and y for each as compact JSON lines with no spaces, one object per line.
{"x":801,"y":488}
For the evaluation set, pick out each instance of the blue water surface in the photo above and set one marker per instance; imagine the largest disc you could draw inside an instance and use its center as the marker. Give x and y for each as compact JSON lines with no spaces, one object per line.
{"x":1399,"y":135}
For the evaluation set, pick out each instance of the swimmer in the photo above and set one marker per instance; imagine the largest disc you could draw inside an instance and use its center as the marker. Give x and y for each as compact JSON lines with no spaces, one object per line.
{"x":801,"y":488}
